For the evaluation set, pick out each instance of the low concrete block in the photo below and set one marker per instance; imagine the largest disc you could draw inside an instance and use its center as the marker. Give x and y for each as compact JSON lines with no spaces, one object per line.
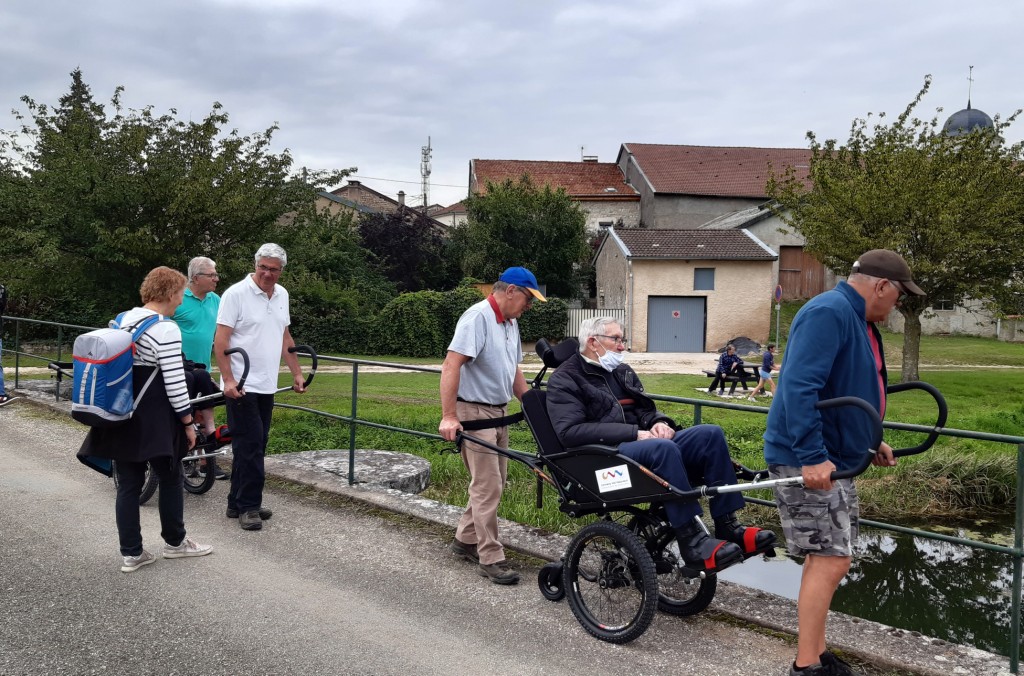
{"x":400,"y":471}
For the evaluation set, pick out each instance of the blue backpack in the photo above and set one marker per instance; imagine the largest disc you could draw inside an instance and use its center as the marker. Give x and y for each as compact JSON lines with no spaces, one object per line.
{"x":103,"y":394}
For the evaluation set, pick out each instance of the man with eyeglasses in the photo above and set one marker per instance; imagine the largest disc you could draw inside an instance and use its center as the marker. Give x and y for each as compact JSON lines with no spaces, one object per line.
{"x":834,"y":350}
{"x":197,"y":319}
{"x":595,"y":398}
{"x":480,"y":375}
{"x":254,"y":315}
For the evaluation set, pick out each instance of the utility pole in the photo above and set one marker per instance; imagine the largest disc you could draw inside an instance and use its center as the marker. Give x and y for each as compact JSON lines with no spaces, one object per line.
{"x":425,"y":173}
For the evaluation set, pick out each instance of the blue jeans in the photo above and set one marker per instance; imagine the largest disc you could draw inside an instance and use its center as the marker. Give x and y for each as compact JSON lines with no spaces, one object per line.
{"x":171,"y":502}
{"x":249,"y":421}
{"x":2,"y":390}
{"x":696,"y":455}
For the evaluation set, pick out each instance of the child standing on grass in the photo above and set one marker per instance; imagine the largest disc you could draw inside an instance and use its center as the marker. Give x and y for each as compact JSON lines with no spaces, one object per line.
{"x":765,"y":383}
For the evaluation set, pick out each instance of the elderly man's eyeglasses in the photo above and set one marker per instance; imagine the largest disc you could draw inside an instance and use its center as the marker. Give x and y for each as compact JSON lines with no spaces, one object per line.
{"x":269,"y":270}
{"x":619,"y":340}
{"x":529,"y":296}
{"x":901,"y":289}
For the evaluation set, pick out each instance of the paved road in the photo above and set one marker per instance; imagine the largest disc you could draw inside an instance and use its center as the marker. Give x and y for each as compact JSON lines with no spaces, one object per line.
{"x":321,"y":590}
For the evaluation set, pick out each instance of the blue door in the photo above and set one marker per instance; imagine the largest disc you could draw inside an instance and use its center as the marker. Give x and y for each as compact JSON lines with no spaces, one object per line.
{"x":676,"y":323}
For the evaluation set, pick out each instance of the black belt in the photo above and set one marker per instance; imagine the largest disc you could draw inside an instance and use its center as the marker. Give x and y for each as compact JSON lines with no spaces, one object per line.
{"x":480,"y":403}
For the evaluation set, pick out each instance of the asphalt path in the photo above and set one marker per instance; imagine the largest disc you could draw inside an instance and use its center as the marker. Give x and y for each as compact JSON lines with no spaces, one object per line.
{"x":321,"y":590}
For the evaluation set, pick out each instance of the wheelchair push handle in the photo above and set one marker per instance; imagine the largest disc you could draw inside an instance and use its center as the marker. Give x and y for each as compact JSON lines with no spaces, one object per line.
{"x":245,"y":363}
{"x":876,"y":432}
{"x":940,"y":420}
{"x":305,"y":351}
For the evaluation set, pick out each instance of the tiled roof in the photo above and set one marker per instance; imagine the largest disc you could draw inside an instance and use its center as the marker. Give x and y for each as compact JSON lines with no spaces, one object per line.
{"x":714,"y":170}
{"x":347,"y":203}
{"x":582,"y":180}
{"x":738,"y":219}
{"x":692,"y":244}
{"x":457,"y":208}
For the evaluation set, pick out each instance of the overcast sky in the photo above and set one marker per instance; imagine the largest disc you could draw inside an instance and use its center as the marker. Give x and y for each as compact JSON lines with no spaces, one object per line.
{"x":363,"y":84}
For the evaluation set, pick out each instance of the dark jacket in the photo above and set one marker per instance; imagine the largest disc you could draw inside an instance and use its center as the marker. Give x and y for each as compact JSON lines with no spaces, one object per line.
{"x":584,"y":410}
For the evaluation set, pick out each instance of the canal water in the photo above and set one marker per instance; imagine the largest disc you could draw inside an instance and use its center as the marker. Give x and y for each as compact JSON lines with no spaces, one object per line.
{"x":956,"y":593}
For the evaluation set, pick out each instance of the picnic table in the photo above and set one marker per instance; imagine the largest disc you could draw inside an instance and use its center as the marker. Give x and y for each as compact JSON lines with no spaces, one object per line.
{"x":748,"y":371}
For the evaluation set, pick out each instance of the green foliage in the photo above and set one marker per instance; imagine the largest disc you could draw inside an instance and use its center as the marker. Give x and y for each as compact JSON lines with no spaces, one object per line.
{"x":545,"y":320}
{"x":950,"y":205}
{"x":515,"y":223}
{"x":102,"y":199}
{"x":408,"y":250}
{"x":421,"y":324}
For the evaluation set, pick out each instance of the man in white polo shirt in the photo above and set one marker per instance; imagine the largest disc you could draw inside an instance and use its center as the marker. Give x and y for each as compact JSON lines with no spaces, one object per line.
{"x":254,"y":316}
{"x":479,"y":377}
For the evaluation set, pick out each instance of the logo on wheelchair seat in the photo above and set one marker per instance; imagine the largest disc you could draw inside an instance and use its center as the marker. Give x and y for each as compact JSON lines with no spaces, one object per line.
{"x":613,"y":478}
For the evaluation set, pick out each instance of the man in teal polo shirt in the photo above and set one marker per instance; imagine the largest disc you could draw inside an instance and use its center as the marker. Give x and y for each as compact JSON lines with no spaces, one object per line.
{"x":197,"y":319}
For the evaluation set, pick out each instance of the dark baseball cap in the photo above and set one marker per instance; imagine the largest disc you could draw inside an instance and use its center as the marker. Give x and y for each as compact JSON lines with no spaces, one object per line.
{"x":524,"y":279}
{"x":888,"y":265}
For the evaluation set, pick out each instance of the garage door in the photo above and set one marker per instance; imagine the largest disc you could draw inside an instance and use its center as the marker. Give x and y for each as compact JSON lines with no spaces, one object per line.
{"x":676,"y":323}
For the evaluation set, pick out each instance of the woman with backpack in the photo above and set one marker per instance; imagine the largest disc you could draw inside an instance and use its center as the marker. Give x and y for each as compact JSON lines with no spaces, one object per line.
{"x":159,"y":431}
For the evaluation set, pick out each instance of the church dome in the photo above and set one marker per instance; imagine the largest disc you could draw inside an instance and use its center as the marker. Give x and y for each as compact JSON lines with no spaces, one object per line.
{"x":965,"y":121}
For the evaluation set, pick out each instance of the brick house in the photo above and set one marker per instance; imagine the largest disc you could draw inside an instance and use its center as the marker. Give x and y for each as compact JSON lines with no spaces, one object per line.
{"x":686,"y":290}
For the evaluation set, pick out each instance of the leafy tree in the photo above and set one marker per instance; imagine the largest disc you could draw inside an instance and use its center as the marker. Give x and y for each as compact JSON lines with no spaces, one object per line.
{"x":96,"y":201}
{"x":408,"y":249}
{"x":516,"y":223}
{"x":952,"y":206}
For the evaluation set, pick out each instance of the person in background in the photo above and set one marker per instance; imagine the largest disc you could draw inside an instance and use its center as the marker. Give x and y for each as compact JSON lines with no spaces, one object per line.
{"x":480,"y":375}
{"x":159,"y":432}
{"x":765,"y":373}
{"x":197,"y":319}
{"x":729,"y":364}
{"x":254,"y":315}
{"x":834,"y":350}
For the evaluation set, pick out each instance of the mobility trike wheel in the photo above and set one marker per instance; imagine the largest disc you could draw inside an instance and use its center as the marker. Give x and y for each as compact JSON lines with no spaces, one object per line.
{"x":610,"y":582}
{"x":199,"y":474}
{"x":678,"y":594}
{"x":549,"y":579}
{"x":149,"y":484}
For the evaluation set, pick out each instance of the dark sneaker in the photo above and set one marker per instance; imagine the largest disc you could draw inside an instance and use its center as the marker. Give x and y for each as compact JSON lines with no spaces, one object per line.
{"x":250,"y":520}
{"x":264,"y":513}
{"x":467,"y":552}
{"x":221,"y":475}
{"x":499,"y":573}
{"x":838,"y":666}
{"x":5,"y":399}
{"x":130,"y":564}
{"x":813,"y":670}
{"x":188,"y":547}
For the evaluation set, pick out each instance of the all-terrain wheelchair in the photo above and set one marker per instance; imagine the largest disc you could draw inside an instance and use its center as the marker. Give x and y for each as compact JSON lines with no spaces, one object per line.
{"x":618,"y":570}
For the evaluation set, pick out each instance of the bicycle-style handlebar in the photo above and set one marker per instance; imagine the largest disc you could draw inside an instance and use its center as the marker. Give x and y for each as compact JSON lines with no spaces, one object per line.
{"x":306,"y":351}
{"x":940,"y":420}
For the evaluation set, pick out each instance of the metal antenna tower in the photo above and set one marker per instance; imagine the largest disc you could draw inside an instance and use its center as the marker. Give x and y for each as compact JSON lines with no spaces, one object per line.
{"x":425,"y":173}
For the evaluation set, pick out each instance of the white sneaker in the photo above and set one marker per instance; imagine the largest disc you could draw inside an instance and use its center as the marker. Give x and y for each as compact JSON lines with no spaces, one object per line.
{"x":133,"y":563}
{"x":188,"y":547}
{"x":751,"y":398}
{"x":770,"y":394}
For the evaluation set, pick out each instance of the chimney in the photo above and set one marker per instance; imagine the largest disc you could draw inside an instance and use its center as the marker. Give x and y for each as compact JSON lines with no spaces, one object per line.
{"x":355,"y":184}
{"x":401,"y":198}
{"x":590,"y":159}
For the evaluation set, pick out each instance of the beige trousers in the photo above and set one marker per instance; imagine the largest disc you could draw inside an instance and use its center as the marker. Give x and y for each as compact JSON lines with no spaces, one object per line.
{"x":487,"y":472}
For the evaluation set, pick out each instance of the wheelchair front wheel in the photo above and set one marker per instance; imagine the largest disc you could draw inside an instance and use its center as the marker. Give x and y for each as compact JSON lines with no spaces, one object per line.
{"x":610,"y":582}
{"x":678,"y":594}
{"x":549,"y":579}
{"x":199,"y":474}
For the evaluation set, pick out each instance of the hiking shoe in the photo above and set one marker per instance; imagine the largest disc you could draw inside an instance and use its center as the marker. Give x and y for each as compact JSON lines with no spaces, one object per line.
{"x":499,"y":573}
{"x":264,"y":513}
{"x":250,"y":520}
{"x":464,"y":551}
{"x":188,"y":547}
{"x":133,"y":563}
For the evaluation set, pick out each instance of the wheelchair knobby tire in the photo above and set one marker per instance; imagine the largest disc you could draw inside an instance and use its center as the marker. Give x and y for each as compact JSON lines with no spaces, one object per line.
{"x":610,"y":581}
{"x":677,"y":594}
{"x":549,"y":579}
{"x":198,"y":479}
{"x":149,"y":486}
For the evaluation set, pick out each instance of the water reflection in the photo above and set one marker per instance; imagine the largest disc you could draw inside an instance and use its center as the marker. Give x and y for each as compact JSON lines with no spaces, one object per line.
{"x":940,"y":589}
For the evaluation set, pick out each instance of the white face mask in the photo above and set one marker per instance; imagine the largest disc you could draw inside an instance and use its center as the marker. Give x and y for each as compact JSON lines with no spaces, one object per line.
{"x":609,"y":360}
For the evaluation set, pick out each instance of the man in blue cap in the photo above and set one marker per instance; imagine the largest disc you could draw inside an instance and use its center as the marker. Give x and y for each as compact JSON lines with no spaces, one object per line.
{"x":480,"y":375}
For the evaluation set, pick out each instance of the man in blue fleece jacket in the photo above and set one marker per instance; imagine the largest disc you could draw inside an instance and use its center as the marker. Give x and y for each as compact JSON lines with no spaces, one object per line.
{"x":834,"y":350}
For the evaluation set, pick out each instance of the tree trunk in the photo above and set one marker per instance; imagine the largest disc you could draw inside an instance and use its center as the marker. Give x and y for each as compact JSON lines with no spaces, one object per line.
{"x":911,"y":346}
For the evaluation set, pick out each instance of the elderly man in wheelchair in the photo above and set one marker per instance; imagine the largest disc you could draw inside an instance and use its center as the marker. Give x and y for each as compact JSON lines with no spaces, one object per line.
{"x":594,"y":398}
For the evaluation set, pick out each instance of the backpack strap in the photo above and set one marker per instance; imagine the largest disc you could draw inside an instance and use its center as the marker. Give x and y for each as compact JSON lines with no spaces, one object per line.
{"x":136,"y":331}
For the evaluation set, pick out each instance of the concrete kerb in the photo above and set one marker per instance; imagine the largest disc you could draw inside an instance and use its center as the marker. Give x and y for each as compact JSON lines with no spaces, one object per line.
{"x":875,"y":643}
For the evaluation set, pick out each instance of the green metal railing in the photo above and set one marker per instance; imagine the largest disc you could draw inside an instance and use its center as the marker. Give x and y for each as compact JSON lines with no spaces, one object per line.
{"x":1016,"y":553}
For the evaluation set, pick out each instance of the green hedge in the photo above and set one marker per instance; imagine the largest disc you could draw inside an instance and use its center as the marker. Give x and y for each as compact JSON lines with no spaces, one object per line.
{"x":545,"y":320}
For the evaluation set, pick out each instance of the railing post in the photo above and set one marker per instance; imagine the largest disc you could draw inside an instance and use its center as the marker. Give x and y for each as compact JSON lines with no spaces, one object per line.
{"x":696,"y":413}
{"x":17,"y":353}
{"x":56,"y":381}
{"x":352,"y":426}
{"x":1018,"y":546}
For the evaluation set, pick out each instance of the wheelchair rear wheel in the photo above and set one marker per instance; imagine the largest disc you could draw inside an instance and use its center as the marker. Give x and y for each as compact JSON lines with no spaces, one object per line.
{"x":610,"y":581}
{"x":678,"y":594}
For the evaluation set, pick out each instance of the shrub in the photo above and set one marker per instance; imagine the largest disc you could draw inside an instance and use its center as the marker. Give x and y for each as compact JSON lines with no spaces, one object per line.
{"x":545,"y":320}
{"x":421,"y":324}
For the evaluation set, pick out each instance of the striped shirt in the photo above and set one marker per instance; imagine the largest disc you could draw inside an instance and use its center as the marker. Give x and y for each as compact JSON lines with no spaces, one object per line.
{"x":160,"y":346}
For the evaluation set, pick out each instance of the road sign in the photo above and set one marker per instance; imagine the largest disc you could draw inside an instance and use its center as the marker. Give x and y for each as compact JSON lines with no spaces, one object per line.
{"x":778,"y":293}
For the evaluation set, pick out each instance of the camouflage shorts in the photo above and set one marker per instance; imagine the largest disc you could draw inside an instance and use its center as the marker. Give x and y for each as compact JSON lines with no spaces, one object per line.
{"x":825,"y":523}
